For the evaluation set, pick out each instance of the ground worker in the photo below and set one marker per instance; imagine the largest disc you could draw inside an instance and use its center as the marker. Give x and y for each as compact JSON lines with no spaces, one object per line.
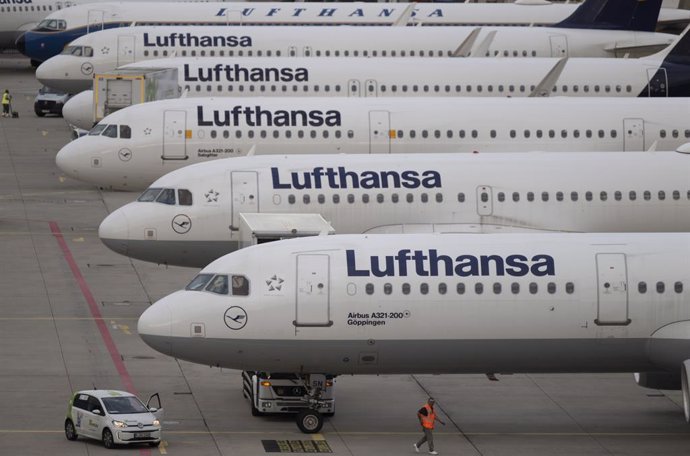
{"x":427,"y":418}
{"x":6,"y":101}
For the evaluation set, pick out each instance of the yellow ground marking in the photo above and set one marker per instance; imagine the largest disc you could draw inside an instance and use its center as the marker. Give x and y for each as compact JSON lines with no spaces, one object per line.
{"x":161,"y":447}
{"x":317,"y":437}
{"x":79,"y":239}
{"x":62,"y":179}
{"x":44,"y":132}
{"x":125,"y":329}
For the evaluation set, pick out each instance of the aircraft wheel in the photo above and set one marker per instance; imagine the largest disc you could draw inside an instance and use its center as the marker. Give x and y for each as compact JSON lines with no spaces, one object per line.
{"x":309,"y":421}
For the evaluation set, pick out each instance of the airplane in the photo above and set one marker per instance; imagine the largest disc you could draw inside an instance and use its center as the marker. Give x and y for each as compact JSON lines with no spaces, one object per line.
{"x":666,"y":73}
{"x":439,"y":304}
{"x":134,"y":146}
{"x":194,"y":215}
{"x":371,"y":77}
{"x":47,"y":41}
{"x":19,"y":16}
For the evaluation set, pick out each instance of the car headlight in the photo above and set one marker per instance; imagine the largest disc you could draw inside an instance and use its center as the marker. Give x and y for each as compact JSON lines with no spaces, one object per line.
{"x":119,"y":424}
{"x":156,"y":423}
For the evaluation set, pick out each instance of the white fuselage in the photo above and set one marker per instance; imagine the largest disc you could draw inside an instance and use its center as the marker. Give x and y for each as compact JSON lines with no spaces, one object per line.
{"x":106,"y":50}
{"x":132,"y":147}
{"x":436,"y":303}
{"x":491,"y":193}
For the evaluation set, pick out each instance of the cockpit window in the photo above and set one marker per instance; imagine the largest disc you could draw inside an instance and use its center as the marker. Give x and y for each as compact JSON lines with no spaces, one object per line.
{"x":88,"y":51}
{"x":97,"y":130}
{"x":125,"y":132}
{"x":110,"y":131}
{"x":51,"y":25}
{"x":219,"y":284}
{"x":199,"y":282}
{"x":167,"y":196}
{"x":149,"y":195}
{"x":184,"y":197}
{"x":240,"y":285}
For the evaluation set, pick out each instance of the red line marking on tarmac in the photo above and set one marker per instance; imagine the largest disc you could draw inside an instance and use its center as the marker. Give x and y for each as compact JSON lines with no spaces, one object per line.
{"x":96,"y":314}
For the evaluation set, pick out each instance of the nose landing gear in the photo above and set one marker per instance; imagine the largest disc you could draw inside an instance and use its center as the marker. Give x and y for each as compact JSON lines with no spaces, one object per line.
{"x":310,"y":420}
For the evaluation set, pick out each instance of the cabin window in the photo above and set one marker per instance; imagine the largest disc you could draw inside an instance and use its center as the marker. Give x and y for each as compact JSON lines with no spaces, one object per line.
{"x":497,"y":288}
{"x":321,"y":198}
{"x":516,"y":196}
{"x":573,"y":196}
{"x":551,"y":288}
{"x":369,"y":288}
{"x":213,"y":133}
{"x":387,"y":288}
{"x":461,"y":197}
{"x":291,"y":199}
{"x":540,"y":133}
{"x":515,"y":288}
{"x":460,"y":288}
{"x":379,"y":198}
{"x":533,"y":288}
{"x":409,"y":198}
{"x":589,"y":196}
{"x":661,"y":195}
{"x":425,"y":198}
{"x":614,"y":133}
{"x":336,"y":198}
{"x":676,"y":195}
{"x":406,"y":288}
{"x":544,"y":196}
{"x":552,"y":134}
{"x":530,"y":196}
{"x":559,"y":196}
{"x":617,"y":196}
{"x":395,"y":198}
{"x":569,"y":287}
{"x":632,"y":195}
{"x":442,"y":288}
{"x":662,"y":133}
{"x":424,"y":288}
{"x":642,"y":287}
{"x":492,"y":133}
{"x":512,"y":133}
{"x":479,"y":288}
{"x":365,"y":198}
{"x":501,"y":197}
{"x":527,"y":133}
{"x":350,"y":198}
{"x":647,"y":195}
{"x":660,"y":287}
{"x":475,"y":133}
{"x":678,"y":287}
{"x":603,"y":196}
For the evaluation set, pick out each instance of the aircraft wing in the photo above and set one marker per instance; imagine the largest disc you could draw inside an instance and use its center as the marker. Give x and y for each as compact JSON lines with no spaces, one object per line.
{"x":468,"y":228}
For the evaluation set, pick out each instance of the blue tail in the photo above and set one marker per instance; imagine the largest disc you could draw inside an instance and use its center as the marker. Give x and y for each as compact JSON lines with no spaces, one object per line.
{"x":633,"y":15}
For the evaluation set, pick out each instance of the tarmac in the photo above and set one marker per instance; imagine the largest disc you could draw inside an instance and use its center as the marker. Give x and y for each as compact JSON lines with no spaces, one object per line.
{"x":68,"y":316}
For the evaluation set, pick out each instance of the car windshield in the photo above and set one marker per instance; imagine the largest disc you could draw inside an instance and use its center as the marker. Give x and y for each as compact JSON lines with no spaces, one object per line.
{"x":47,"y":90}
{"x":123,"y":405}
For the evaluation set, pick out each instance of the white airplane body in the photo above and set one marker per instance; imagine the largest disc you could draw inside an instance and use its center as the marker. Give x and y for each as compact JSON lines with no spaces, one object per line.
{"x":106,"y":50}
{"x":18,"y":16}
{"x":132,"y":147}
{"x":437,"y":303}
{"x":659,"y":75}
{"x":192,"y":216}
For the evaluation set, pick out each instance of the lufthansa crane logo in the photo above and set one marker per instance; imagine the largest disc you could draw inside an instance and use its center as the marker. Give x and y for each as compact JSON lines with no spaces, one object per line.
{"x":181,"y":224}
{"x":86,"y":68}
{"x":235,"y":318}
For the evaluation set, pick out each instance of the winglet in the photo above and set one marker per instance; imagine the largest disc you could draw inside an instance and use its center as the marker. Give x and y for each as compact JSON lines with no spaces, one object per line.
{"x":546,"y":85}
{"x":483,"y":47}
{"x":405,"y":16}
{"x":633,"y":15}
{"x":465,"y":48}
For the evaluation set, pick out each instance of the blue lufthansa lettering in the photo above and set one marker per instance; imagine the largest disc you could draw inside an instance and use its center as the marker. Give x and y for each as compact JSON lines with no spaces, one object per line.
{"x":188,"y":40}
{"x":430,"y":263}
{"x":341,"y":178}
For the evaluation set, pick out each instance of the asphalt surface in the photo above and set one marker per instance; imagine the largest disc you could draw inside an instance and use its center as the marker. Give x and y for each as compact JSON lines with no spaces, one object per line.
{"x":68,"y":313}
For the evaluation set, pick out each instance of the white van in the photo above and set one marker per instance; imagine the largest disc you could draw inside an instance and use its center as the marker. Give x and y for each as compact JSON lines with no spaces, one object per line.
{"x":114,"y":417}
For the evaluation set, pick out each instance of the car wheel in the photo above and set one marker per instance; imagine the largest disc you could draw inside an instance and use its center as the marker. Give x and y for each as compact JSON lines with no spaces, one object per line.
{"x":309,"y":421}
{"x":39,"y":113}
{"x":108,"y":440}
{"x":70,"y":432}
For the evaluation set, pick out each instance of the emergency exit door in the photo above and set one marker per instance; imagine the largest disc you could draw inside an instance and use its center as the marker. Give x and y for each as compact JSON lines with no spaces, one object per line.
{"x":559,"y":46}
{"x":313,"y":295}
{"x":245,"y":195}
{"x":612,"y":289}
{"x":125,"y":49}
{"x":175,"y":135}
{"x":94,"y":21}
{"x":379,"y":137}
{"x":633,"y":131}
{"x":485,"y":200}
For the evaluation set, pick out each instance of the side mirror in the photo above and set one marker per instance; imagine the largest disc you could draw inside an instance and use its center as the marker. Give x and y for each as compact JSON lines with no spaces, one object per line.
{"x":97,"y":412}
{"x":153,"y":409}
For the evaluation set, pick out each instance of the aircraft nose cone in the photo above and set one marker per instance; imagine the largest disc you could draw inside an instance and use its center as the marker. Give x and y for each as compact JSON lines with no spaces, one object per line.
{"x":155,"y":325}
{"x":114,"y":232}
{"x":21,"y":43}
{"x":68,"y":160}
{"x":77,"y":110}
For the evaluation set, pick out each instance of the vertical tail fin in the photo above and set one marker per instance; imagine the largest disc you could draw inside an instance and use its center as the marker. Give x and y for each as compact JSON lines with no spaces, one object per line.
{"x":633,"y":15}
{"x":678,"y":51}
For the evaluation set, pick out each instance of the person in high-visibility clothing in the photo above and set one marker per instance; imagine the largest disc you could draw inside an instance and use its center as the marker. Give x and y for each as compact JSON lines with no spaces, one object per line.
{"x":427,"y":418}
{"x":6,"y":102}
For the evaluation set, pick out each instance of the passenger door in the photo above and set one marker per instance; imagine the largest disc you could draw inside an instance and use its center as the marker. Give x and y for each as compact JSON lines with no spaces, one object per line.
{"x":379,"y":137}
{"x":93,"y":423}
{"x":94,"y":21}
{"x":657,"y":85}
{"x":612,"y":289}
{"x":633,"y":131}
{"x":175,"y":135}
{"x":245,"y":195}
{"x":154,"y":405}
{"x":559,"y":46}
{"x":125,"y":49}
{"x":313,"y":291}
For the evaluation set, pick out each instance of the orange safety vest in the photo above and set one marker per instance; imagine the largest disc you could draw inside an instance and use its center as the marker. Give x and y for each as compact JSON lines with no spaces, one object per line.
{"x":429,"y":419}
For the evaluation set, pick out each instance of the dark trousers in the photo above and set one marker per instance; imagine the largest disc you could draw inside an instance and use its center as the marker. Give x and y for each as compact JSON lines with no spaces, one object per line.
{"x":427,"y":437}
{"x":6,"y":108}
